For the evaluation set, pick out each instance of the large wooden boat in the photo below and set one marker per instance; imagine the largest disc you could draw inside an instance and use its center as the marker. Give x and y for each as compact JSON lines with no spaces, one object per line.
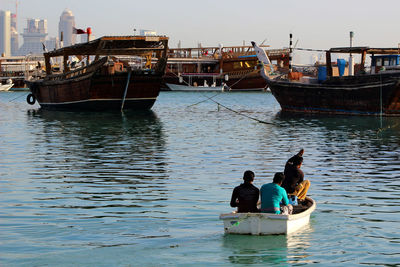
{"x":108,"y":82}
{"x":234,"y":67}
{"x":364,"y":93}
{"x":268,"y":223}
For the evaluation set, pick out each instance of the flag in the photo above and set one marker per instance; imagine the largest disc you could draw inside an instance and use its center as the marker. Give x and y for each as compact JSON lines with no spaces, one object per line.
{"x":78,"y":31}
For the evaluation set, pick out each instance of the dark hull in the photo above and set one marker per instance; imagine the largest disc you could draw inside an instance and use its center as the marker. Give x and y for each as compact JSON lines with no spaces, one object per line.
{"x":354,"y":95}
{"x":247,"y":83}
{"x":98,"y":92}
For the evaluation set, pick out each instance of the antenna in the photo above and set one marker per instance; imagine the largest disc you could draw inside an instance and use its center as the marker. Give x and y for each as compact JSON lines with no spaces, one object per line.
{"x":295,"y":45}
{"x":263,"y":42}
{"x":16,"y":15}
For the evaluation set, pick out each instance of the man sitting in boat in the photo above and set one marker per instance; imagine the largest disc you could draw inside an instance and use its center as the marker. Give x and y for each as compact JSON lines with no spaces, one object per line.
{"x":294,"y":182}
{"x":272,"y":195}
{"x":245,"y":196}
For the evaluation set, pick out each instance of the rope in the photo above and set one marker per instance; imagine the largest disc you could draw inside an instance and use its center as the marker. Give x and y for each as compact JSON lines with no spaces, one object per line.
{"x":310,"y":49}
{"x":244,"y":76}
{"x":18,"y":97}
{"x":207,"y":98}
{"x":386,"y":128}
{"x":241,"y":114}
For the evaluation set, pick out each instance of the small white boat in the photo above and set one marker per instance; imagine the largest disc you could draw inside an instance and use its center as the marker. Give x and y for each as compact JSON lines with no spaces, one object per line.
{"x":180,"y":87}
{"x":7,"y":86}
{"x":268,"y":223}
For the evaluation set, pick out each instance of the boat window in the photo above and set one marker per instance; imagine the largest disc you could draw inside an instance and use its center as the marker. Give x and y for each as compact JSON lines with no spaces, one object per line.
{"x":238,"y":65}
{"x":386,"y":62}
{"x":378,"y":62}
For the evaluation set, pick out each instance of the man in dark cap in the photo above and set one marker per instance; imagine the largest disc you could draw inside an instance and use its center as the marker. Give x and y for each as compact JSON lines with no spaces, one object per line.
{"x":245,"y":196}
{"x":294,"y":182}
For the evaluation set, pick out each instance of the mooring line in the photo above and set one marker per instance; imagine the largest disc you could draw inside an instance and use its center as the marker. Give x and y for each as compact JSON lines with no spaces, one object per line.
{"x":244,"y":76}
{"x":17,"y":97}
{"x":239,"y":113}
{"x":207,"y":98}
{"x":381,"y":129}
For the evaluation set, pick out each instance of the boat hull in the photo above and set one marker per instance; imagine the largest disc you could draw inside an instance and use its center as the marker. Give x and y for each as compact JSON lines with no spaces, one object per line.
{"x":98,"y":92}
{"x":179,"y":87}
{"x":266,"y":223}
{"x":351,"y":95}
{"x":246,"y":82}
{"x":6,"y":87}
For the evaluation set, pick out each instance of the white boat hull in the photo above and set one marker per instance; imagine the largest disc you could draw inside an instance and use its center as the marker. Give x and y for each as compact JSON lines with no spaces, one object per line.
{"x":265,"y":223}
{"x":180,"y":87}
{"x":6,"y":87}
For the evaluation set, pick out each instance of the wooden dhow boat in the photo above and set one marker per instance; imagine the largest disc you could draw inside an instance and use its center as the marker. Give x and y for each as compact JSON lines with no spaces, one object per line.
{"x":364,"y":93}
{"x":106,"y":83}
{"x":233,"y":67}
{"x":268,"y":223}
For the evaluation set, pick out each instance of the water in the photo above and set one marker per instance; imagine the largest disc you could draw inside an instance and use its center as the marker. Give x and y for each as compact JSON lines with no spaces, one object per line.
{"x":146,"y":188}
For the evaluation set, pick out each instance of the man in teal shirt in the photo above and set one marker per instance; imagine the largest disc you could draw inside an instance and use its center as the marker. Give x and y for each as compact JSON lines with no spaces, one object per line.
{"x":273,"y":194}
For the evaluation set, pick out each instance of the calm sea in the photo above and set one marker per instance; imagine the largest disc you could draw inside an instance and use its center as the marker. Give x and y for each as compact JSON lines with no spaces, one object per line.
{"x":146,"y":188}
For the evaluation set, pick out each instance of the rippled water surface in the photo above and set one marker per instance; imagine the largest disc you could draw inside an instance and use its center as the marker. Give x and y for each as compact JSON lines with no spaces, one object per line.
{"x":146,"y":189}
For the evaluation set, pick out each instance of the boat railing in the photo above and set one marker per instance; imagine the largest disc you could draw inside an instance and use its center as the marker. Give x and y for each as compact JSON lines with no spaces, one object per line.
{"x":79,"y":71}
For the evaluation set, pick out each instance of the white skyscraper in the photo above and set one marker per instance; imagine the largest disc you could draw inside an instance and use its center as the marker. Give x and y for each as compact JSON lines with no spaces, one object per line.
{"x":34,"y":37}
{"x":14,"y":35}
{"x":5,"y":33}
{"x":66,"y":26}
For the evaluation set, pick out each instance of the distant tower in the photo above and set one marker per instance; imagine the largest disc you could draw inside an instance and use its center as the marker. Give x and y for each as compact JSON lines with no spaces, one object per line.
{"x":5,"y":33}
{"x":34,"y":37}
{"x":66,"y":25}
{"x":84,"y":38}
{"x":14,"y":35}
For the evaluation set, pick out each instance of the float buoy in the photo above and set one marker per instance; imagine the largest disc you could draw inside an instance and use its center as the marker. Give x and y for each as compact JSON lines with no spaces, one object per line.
{"x":30,"y":99}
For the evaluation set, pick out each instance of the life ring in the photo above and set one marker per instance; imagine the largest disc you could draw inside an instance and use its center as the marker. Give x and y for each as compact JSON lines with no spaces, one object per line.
{"x":31,"y":99}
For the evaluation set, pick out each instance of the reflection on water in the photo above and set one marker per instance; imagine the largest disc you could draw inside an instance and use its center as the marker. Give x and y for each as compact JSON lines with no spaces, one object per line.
{"x":255,"y":249}
{"x":104,"y":189}
{"x":269,"y":250}
{"x":116,"y":159}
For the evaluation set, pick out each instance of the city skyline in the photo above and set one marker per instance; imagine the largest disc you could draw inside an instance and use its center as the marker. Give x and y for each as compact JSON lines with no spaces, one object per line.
{"x":313,"y":24}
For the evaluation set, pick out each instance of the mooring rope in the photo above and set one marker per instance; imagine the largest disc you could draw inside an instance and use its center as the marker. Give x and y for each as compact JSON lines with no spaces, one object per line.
{"x":17,"y":97}
{"x":241,"y":114}
{"x":381,"y":129}
{"x":244,"y":76}
{"x":207,"y":98}
{"x":310,"y":49}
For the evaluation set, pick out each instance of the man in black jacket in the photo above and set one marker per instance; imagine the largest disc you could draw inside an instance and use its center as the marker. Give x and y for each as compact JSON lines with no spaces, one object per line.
{"x":245,"y":196}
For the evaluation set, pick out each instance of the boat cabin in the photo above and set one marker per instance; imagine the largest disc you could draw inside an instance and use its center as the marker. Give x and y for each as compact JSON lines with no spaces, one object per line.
{"x":384,"y":62}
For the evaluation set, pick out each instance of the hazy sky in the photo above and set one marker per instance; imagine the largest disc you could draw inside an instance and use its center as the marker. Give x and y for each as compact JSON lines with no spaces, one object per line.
{"x":314,"y":23}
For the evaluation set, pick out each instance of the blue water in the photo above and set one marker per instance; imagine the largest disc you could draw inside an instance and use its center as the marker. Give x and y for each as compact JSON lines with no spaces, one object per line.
{"x":146,"y":188}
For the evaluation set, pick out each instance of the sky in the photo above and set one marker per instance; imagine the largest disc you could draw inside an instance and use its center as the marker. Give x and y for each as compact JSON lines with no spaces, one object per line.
{"x":317,"y":24}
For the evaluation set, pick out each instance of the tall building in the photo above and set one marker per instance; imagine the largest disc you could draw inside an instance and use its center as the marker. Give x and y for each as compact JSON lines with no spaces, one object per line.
{"x":66,"y":26}
{"x":84,"y":38}
{"x":14,"y":35}
{"x":5,"y":33}
{"x":52,"y":43}
{"x":34,"y":37}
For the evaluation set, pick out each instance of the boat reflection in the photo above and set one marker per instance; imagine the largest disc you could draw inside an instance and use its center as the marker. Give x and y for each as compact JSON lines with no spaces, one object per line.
{"x":100,"y":160}
{"x":271,"y":250}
